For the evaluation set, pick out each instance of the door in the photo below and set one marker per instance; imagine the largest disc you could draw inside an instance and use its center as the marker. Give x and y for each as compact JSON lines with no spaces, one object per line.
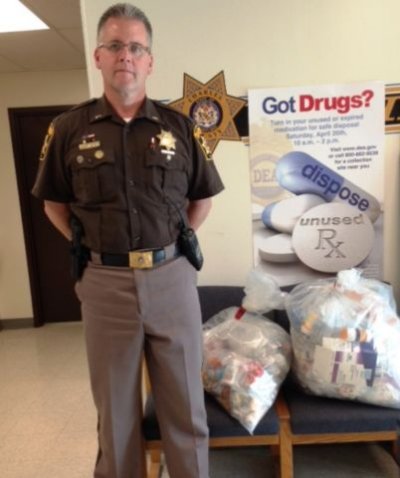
{"x":53,"y":297}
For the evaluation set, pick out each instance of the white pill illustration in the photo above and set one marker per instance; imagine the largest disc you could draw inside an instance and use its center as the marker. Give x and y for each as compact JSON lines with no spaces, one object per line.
{"x":278,"y":248}
{"x":333,"y":237}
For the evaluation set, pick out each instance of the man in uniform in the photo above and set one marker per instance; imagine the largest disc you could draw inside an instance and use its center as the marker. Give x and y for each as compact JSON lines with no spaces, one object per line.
{"x":127,"y":168}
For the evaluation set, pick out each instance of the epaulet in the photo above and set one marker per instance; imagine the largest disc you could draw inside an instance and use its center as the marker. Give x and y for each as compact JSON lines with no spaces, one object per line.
{"x":83,"y":104}
{"x":67,"y":113}
{"x":167,"y":107}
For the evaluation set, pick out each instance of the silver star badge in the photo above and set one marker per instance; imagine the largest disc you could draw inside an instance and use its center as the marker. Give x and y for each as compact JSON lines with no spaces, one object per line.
{"x":167,"y":143}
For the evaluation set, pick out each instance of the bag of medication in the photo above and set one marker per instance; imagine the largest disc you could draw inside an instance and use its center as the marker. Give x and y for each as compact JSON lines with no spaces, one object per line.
{"x":246,"y":359}
{"x":345,"y":336}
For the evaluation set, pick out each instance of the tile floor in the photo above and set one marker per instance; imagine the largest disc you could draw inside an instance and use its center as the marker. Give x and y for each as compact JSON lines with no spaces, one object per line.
{"x":47,"y":418}
{"x":48,"y":421}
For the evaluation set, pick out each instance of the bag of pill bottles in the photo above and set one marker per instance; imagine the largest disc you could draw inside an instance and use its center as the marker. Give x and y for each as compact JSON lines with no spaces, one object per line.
{"x":246,"y":359}
{"x":346,"y":338}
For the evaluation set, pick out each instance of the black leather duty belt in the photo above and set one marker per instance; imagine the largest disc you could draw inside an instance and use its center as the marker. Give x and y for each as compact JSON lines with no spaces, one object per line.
{"x":140,"y":259}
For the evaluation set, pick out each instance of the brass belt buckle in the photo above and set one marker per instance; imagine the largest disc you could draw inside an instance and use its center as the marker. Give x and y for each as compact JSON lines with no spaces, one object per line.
{"x":141,"y":260}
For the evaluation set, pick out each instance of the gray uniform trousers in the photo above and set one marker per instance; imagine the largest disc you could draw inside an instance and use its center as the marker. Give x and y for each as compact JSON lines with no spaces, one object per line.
{"x":126,"y":311}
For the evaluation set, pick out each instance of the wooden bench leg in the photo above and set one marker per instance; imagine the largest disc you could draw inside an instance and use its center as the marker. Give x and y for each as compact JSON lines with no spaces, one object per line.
{"x":274,"y":450}
{"x":396,"y":450}
{"x":285,"y":439}
{"x":276,"y":459}
{"x":286,"y":451}
{"x":145,"y":473}
{"x":155,"y":464}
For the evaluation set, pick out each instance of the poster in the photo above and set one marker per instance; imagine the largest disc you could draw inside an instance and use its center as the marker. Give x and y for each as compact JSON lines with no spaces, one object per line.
{"x":317,"y":179}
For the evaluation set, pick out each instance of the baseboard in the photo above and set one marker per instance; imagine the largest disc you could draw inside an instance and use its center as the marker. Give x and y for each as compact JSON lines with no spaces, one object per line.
{"x":9,"y":324}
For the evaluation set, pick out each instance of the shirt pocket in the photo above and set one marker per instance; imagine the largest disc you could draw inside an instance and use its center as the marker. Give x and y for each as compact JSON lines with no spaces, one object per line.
{"x":168,"y":172}
{"x":94,"y":177}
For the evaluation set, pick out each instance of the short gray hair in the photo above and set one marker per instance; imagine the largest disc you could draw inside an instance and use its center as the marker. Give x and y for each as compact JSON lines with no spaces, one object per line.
{"x":128,"y":11}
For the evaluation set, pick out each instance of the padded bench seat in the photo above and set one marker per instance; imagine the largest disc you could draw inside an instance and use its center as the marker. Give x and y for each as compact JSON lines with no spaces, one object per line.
{"x":220,"y":423}
{"x":312,"y":414}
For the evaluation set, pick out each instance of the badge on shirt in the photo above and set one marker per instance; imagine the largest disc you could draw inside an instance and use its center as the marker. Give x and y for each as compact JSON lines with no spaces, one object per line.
{"x":167,"y":144}
{"x":47,"y":142}
{"x":201,"y":141}
{"x":89,"y":141}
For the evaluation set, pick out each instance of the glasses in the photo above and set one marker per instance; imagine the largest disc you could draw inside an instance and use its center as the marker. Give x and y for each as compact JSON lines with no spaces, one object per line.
{"x":135,"y":49}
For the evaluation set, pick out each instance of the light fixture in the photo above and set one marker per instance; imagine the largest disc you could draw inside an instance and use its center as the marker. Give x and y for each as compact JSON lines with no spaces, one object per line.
{"x":16,"y":17}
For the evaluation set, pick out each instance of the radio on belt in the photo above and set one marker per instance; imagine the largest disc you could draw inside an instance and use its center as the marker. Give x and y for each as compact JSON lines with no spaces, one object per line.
{"x":300,"y":173}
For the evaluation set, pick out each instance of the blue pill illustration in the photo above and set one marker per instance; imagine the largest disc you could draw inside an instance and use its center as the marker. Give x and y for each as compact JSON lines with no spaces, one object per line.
{"x":283,"y":215}
{"x":300,"y":173}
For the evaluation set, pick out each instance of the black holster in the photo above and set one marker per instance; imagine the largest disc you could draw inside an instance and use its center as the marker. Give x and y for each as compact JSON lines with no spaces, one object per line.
{"x":189,"y":246}
{"x":79,"y":253}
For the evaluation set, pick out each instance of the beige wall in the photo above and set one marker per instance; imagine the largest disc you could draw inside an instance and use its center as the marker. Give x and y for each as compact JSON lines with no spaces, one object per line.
{"x":265,"y":43}
{"x":258,"y":43}
{"x":24,"y":90}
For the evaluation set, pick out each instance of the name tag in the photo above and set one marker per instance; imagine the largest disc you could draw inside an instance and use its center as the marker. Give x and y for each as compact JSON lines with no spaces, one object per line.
{"x":91,"y":145}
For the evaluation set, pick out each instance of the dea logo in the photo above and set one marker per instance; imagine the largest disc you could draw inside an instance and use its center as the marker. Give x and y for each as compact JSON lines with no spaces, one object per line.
{"x":264,"y":186}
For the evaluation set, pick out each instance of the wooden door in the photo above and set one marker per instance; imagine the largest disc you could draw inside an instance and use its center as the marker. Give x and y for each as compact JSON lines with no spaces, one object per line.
{"x":53,"y":297}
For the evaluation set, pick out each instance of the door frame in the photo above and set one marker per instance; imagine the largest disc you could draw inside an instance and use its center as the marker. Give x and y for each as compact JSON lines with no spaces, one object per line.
{"x":15,"y":115}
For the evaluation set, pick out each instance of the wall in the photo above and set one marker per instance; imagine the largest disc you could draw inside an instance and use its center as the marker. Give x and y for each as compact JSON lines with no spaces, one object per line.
{"x":258,"y":43}
{"x":265,"y":43}
{"x":24,"y":90}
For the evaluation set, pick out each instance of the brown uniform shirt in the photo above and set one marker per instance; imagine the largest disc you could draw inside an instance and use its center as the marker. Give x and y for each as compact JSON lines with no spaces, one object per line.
{"x":124,"y":180}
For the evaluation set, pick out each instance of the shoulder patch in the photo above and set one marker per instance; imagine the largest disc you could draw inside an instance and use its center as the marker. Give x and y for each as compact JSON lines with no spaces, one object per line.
{"x":47,"y":141}
{"x":201,"y":141}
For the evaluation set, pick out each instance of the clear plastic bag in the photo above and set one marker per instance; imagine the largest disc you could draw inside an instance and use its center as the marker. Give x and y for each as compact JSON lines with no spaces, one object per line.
{"x":246,"y":358}
{"x":262,"y":293}
{"x":346,"y":338}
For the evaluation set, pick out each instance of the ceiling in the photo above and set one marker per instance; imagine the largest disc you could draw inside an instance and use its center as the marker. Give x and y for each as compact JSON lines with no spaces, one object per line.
{"x":60,"y":48}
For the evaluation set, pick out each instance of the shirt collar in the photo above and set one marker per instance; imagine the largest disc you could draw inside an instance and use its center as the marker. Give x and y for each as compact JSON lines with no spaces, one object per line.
{"x":149,"y":111}
{"x":102,"y":109}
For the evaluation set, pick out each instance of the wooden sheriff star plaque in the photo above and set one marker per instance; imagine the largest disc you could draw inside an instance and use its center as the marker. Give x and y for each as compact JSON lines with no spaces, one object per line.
{"x":209,"y":105}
